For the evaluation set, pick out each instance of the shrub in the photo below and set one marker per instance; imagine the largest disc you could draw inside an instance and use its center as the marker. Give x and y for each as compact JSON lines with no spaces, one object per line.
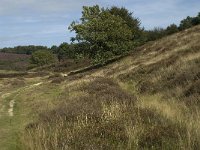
{"x":42,"y":57}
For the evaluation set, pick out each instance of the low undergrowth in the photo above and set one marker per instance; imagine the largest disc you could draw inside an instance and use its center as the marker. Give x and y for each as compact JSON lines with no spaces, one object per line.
{"x":104,"y":116}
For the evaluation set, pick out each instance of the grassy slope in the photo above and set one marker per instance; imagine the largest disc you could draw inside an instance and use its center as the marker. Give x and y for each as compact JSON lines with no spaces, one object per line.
{"x":148,"y":100}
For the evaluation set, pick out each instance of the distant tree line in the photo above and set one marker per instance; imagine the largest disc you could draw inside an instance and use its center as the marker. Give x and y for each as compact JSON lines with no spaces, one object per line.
{"x":157,"y":33}
{"x":101,"y":34}
{"x":23,"y":49}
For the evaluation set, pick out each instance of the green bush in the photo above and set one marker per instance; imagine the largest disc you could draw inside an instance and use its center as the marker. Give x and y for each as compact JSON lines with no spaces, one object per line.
{"x":42,"y":57}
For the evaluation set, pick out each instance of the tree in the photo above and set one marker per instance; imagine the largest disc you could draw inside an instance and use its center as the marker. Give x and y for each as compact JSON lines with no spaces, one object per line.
{"x":155,"y":34}
{"x":66,"y":50}
{"x":42,"y":57}
{"x":61,"y":52}
{"x":105,"y":33}
{"x":54,"y":49}
{"x":171,"y":29}
{"x":186,"y":23}
{"x":196,"y":20}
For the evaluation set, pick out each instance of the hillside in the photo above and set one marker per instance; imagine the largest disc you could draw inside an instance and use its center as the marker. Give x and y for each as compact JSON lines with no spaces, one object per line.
{"x":149,"y":99}
{"x":9,"y":61}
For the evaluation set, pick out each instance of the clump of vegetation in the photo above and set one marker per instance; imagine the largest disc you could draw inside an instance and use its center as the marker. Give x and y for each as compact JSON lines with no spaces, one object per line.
{"x":42,"y":57}
{"x":56,"y":78}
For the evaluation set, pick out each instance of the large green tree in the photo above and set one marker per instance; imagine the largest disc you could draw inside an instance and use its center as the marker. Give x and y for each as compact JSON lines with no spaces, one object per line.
{"x":105,"y":33}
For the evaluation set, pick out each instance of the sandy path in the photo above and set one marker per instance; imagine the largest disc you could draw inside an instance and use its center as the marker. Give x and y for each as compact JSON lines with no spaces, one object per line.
{"x":10,"y":110}
{"x":12,"y":102}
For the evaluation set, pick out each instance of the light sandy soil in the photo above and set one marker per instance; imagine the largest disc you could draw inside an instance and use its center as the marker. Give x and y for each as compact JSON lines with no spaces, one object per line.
{"x":10,"y":110}
{"x":12,"y":102}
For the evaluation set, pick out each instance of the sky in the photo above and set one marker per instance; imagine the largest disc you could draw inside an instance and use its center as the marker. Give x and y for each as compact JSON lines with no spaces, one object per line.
{"x":45,"y":22}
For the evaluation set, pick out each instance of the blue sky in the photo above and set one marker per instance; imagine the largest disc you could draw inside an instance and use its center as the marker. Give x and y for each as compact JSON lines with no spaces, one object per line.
{"x":45,"y":22}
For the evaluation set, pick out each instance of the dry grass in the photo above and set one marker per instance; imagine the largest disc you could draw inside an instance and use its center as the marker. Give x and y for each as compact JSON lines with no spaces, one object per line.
{"x":104,"y":116}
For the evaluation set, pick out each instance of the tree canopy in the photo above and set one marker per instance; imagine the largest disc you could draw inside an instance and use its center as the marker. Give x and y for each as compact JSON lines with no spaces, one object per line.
{"x":131,"y":21}
{"x":106,"y":33}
